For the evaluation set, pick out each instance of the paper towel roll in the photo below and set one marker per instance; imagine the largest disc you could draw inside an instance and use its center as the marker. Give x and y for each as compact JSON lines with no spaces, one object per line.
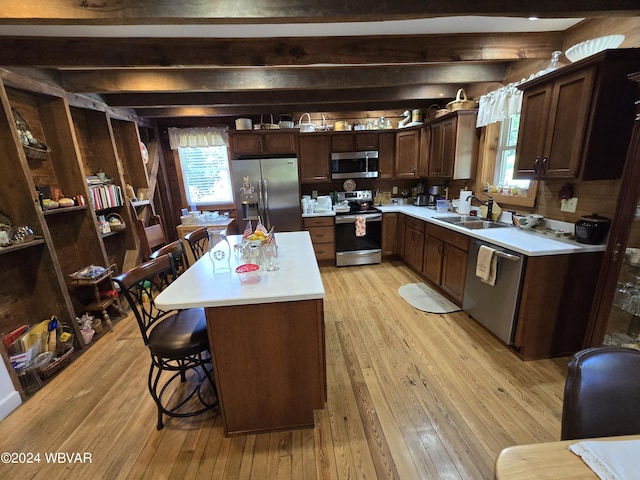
{"x":464,"y":203}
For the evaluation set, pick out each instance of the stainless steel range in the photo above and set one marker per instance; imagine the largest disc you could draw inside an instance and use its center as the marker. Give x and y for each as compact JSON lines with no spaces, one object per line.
{"x":358,"y":231}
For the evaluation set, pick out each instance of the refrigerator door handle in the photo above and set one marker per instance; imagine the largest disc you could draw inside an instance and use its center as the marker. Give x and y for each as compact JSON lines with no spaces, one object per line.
{"x":265,"y":205}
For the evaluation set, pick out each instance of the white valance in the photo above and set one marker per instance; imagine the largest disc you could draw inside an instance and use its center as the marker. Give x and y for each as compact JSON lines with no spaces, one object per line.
{"x":197,"y":137}
{"x":500,"y":104}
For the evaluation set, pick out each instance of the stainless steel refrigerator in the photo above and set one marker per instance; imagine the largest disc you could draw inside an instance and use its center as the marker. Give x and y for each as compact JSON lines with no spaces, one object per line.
{"x":267,"y":188}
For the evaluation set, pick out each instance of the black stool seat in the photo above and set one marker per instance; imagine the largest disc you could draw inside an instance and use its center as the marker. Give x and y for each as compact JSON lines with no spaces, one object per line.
{"x":181,"y":333}
{"x":181,"y":363}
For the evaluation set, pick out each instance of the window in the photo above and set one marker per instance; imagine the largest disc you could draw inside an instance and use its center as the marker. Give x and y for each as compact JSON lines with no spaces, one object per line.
{"x":506,"y":154}
{"x":206,"y":175}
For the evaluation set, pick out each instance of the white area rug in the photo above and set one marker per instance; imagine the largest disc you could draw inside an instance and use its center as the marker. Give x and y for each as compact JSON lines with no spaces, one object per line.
{"x":424,"y":298}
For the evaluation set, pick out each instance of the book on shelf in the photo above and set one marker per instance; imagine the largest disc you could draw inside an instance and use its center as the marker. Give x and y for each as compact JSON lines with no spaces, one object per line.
{"x":106,"y":196}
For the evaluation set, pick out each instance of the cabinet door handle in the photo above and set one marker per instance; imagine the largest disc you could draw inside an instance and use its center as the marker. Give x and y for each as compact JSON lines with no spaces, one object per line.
{"x":545,"y":161}
{"x":536,"y":165}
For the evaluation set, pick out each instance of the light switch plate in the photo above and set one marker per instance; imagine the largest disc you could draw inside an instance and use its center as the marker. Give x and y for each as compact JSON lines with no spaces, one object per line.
{"x":395,"y":190}
{"x":569,"y":205}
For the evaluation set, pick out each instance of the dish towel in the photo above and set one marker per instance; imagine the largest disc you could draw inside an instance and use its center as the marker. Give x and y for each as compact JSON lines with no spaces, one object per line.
{"x":610,"y":459}
{"x":487,"y":264}
{"x":361,"y":227}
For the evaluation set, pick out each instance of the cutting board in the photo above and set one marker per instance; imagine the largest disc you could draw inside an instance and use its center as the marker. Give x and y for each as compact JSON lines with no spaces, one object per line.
{"x":496,"y":211}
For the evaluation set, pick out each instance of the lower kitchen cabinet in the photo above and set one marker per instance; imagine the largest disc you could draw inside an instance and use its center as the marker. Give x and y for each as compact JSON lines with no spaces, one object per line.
{"x":445,"y":260}
{"x":390,"y":234}
{"x":555,"y":304}
{"x":401,"y":232}
{"x":414,"y":243}
{"x":322,"y":231}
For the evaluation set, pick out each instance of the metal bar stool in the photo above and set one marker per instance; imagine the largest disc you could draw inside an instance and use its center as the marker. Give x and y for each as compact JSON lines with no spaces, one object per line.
{"x":177,"y":341}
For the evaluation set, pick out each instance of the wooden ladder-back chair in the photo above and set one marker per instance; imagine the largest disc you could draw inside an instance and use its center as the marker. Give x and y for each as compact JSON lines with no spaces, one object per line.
{"x":198,"y":241}
{"x":181,"y":365}
{"x":151,"y":233}
{"x":178,"y":255}
{"x":602,"y":394}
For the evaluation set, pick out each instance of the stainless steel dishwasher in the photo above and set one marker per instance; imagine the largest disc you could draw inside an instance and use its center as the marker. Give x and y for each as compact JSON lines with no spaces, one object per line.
{"x":495,"y":306}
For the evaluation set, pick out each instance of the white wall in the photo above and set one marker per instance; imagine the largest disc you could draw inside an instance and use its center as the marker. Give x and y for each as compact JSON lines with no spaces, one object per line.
{"x":9,"y":398}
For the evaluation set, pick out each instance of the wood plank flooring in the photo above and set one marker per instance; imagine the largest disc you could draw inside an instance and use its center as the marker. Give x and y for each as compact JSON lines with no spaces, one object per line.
{"x":411,"y":395}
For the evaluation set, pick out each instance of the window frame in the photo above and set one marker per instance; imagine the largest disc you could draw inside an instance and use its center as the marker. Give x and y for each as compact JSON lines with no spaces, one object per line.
{"x":202,"y":206}
{"x":489,"y":142}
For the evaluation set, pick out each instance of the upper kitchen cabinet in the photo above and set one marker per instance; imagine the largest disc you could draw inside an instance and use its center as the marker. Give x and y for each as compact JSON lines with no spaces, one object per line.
{"x":407,"y":153}
{"x":451,"y":146}
{"x":386,"y":153}
{"x":576,"y":122}
{"x":263,"y":142}
{"x":354,"y":141}
{"x":314,"y":156}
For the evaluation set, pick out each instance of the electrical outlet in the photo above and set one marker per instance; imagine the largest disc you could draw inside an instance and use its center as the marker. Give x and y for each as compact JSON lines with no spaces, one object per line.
{"x":395,"y":191}
{"x":569,"y":205}
{"x":314,"y":193}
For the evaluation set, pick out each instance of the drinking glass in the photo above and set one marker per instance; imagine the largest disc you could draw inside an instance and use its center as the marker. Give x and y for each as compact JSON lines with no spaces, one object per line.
{"x":271,"y":257}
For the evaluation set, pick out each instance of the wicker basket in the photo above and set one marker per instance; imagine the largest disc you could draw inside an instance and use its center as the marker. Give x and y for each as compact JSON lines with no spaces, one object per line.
{"x":266,"y":126}
{"x":57,"y":364}
{"x":442,"y":112}
{"x":36,"y":153}
{"x":116,"y":227}
{"x":461,"y":102}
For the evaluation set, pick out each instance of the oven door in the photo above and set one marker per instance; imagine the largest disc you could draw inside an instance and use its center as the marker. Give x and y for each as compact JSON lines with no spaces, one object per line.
{"x":352,"y":249}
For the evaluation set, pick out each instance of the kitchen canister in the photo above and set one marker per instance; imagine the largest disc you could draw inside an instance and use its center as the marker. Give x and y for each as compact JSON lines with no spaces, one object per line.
{"x":464,"y":203}
{"x":243,"y":124}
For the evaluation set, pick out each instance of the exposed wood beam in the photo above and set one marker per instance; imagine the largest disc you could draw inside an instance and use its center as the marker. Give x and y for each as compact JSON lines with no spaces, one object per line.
{"x":123,"y":12}
{"x":253,"y":110}
{"x":172,"y":52}
{"x":238,"y":79}
{"x":279,"y":97}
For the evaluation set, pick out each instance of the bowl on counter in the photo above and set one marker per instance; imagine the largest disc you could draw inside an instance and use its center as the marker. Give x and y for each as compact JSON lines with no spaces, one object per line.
{"x":248,"y":273}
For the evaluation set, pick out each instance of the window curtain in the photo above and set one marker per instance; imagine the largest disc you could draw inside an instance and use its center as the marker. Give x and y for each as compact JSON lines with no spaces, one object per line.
{"x":198,"y":137}
{"x":498,"y":105}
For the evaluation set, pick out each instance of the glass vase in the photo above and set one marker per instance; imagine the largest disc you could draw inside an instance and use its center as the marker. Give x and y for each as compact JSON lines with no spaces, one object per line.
{"x":219,"y":251}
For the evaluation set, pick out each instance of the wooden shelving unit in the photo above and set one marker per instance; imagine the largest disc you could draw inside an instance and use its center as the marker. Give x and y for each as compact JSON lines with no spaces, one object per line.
{"x":83,"y":139}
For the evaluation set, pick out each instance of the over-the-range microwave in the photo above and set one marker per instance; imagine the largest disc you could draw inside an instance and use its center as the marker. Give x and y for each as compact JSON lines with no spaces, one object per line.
{"x":354,"y":164}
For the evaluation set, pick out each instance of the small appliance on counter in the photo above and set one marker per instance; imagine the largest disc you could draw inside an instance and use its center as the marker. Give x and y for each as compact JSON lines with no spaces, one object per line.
{"x":421,"y":200}
{"x":436,"y":192}
{"x":592,"y":229}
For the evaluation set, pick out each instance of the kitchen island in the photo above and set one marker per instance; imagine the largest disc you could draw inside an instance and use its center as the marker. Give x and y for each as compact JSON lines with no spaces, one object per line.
{"x":266,"y":339}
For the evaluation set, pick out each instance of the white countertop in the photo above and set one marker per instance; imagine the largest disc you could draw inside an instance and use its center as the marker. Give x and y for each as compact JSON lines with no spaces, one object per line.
{"x":298,"y":278}
{"x":518,"y":240}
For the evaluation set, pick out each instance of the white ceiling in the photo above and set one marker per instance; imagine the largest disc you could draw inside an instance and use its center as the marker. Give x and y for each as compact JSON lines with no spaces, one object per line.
{"x":440,"y":25}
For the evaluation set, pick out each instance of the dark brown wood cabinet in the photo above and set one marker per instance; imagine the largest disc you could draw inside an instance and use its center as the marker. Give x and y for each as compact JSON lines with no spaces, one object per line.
{"x":322,"y":231}
{"x":386,"y":154}
{"x":314,"y":157}
{"x":407,"y":153}
{"x":354,"y":141}
{"x":445,"y":260}
{"x":390,"y":234}
{"x":402,"y":233}
{"x":414,"y":243}
{"x":555,"y":303}
{"x":263,"y":142}
{"x":452,"y":146}
{"x":576,"y":121}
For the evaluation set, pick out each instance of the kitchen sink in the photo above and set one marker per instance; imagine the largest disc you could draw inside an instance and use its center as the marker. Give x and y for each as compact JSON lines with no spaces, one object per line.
{"x":472,"y":223}
{"x":480,"y":224}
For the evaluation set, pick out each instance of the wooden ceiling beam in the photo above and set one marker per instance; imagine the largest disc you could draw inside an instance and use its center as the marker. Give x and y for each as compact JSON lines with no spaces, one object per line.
{"x":239,"y":79}
{"x":279,"y":97}
{"x":131,"y":12}
{"x":193,"y":52}
{"x":256,"y":110}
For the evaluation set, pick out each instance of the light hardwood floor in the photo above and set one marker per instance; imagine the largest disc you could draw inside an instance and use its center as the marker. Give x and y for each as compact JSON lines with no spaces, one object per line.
{"x":411,"y":395}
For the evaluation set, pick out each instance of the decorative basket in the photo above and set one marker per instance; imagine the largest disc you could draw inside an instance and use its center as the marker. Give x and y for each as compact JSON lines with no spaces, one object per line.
{"x":116,"y":222}
{"x":461,"y":102}
{"x":306,"y":127}
{"x":266,"y":126}
{"x":442,"y":112}
{"x":36,"y":153}
{"x":57,"y":364}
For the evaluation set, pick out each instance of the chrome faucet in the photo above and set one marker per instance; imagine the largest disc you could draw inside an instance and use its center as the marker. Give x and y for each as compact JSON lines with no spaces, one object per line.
{"x":488,"y":204}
